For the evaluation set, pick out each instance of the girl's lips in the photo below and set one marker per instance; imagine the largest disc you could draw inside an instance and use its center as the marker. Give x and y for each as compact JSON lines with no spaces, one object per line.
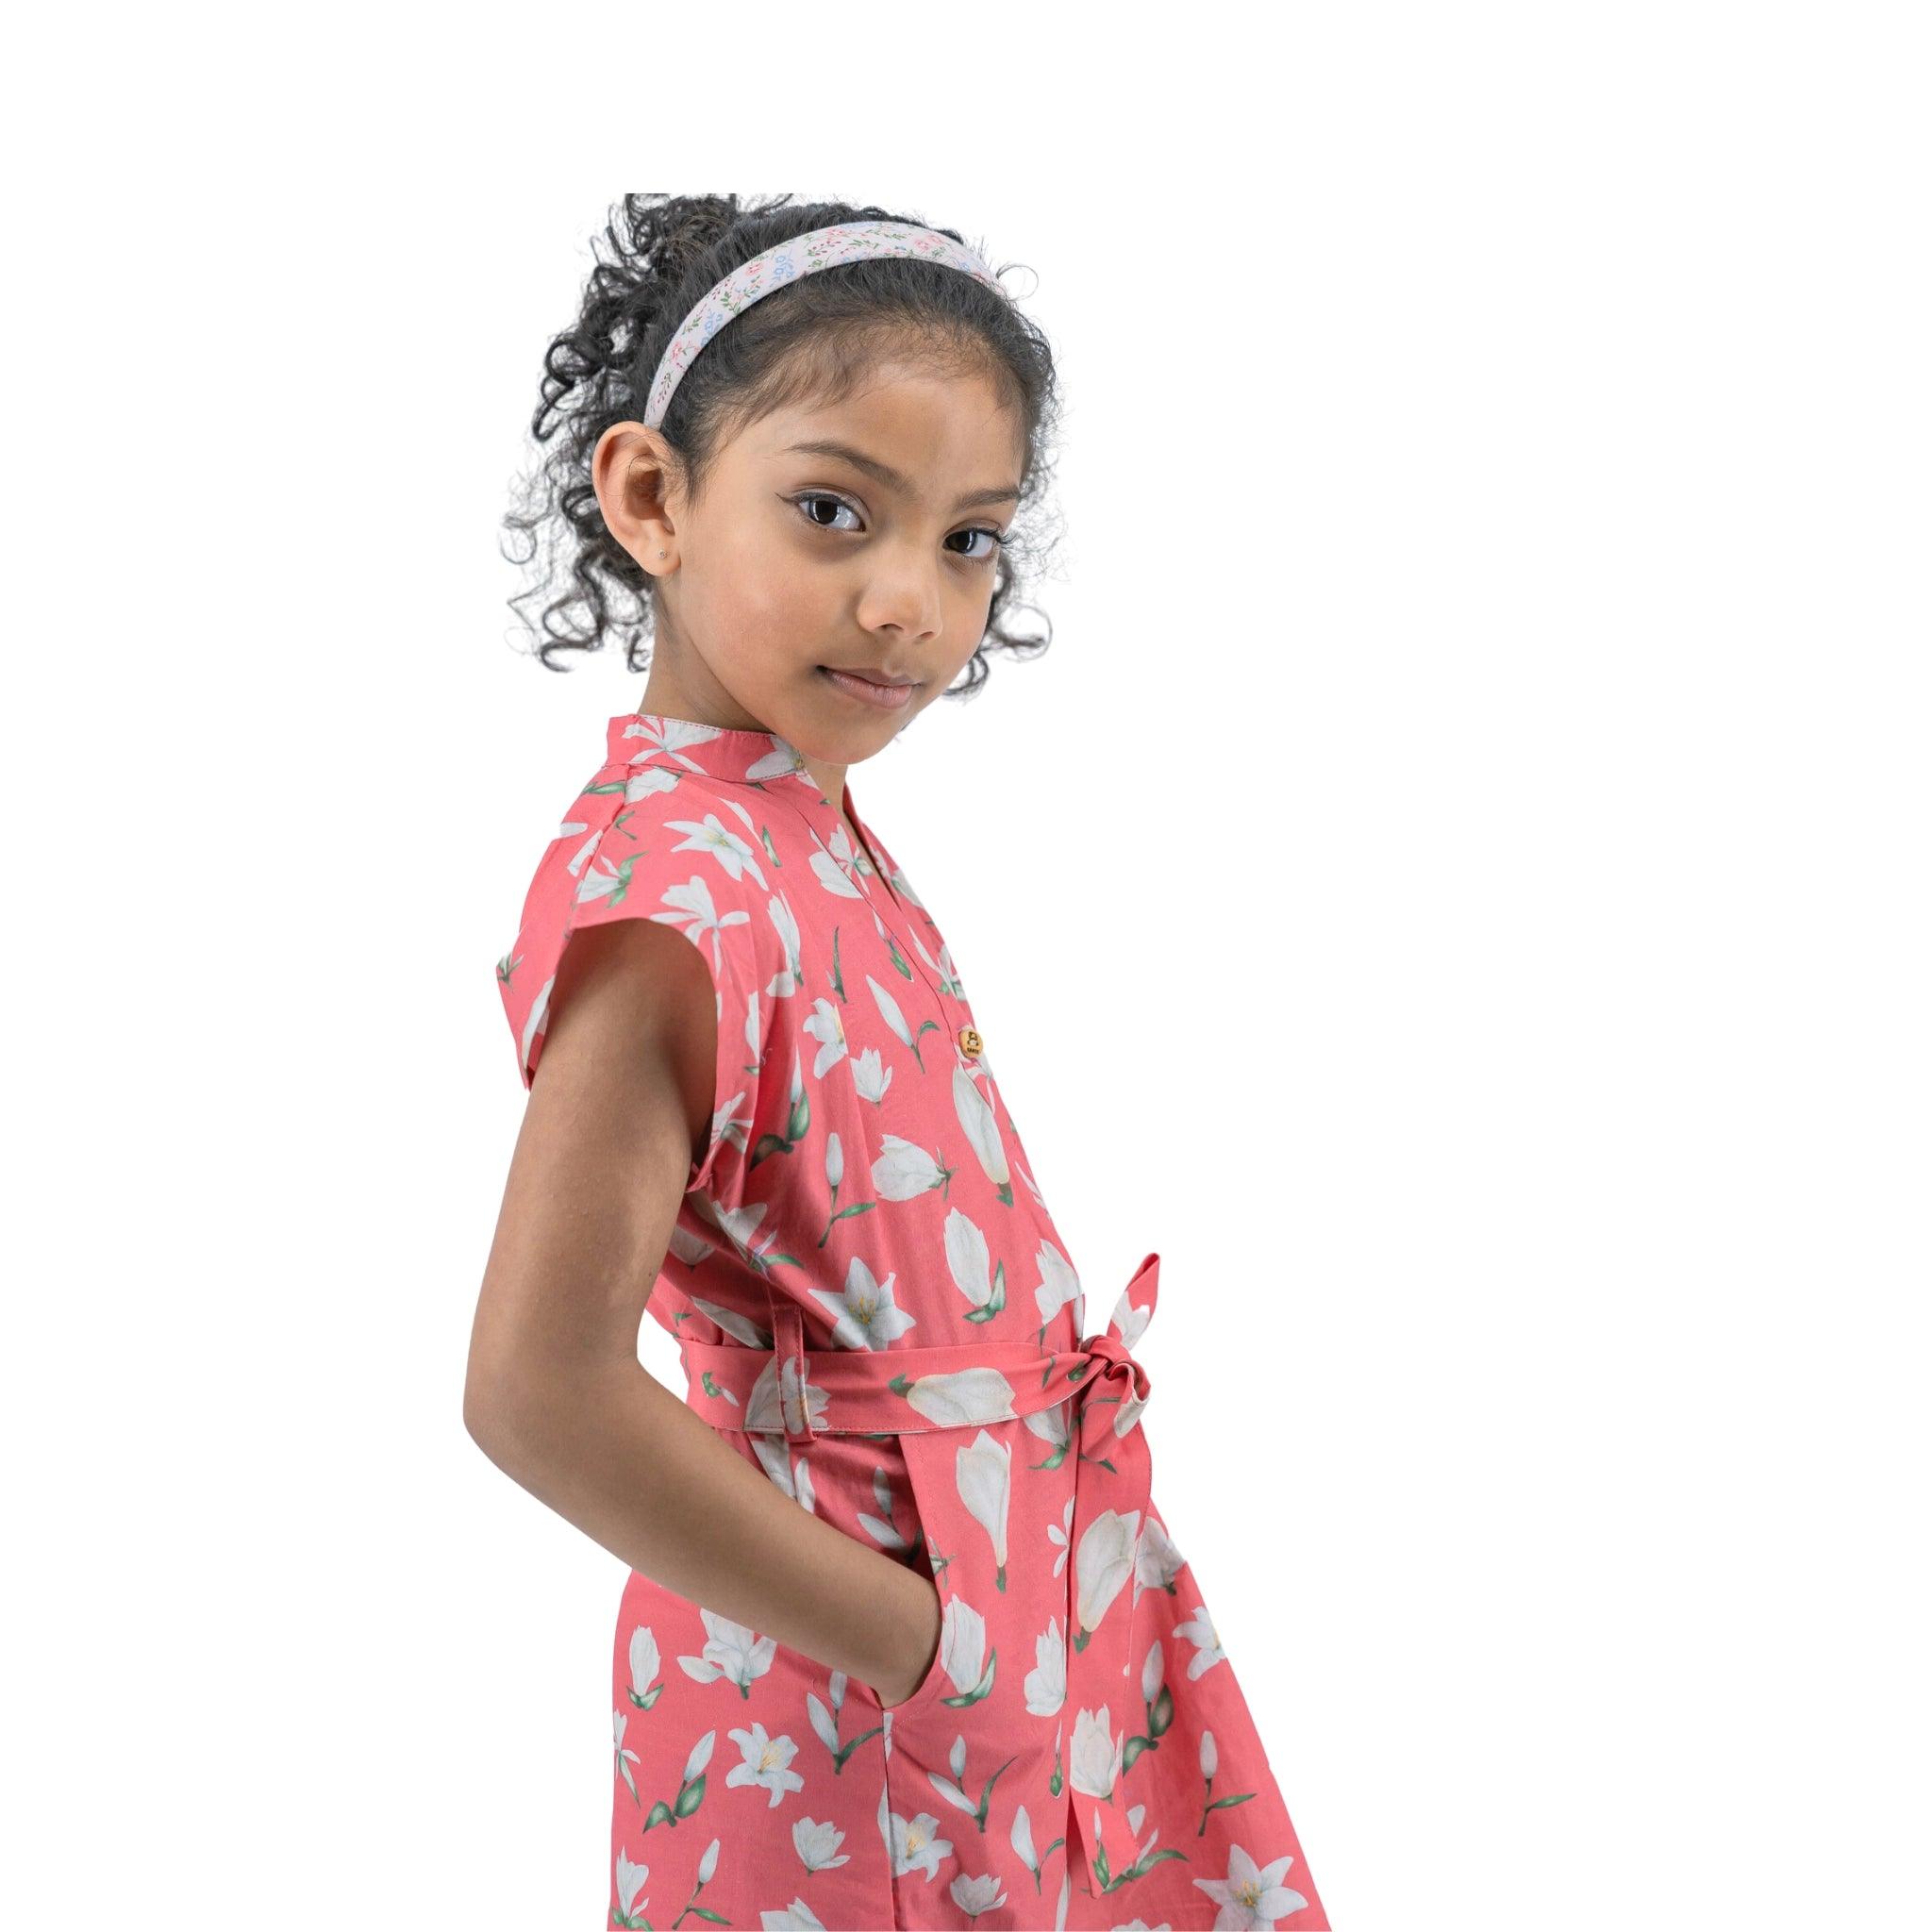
{"x":890,"y":697}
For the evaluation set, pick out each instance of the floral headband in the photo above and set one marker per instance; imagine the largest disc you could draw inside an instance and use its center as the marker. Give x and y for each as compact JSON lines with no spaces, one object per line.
{"x":786,"y":261}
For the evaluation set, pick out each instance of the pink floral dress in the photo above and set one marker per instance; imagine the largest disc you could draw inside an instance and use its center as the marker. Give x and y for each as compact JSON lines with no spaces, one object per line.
{"x":874,"y":1309}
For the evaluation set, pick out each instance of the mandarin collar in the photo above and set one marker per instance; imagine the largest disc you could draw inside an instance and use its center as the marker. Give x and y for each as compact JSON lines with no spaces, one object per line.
{"x":717,"y":751}
{"x":738,"y":756}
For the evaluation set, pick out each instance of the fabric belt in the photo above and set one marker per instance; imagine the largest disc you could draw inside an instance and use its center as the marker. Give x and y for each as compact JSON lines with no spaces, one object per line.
{"x":802,"y":1393}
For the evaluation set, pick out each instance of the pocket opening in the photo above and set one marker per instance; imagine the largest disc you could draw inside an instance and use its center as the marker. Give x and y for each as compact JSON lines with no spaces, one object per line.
{"x":924,"y":1495}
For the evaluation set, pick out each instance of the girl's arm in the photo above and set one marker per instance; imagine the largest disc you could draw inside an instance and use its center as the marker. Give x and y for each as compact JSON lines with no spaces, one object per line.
{"x":556,"y":1395}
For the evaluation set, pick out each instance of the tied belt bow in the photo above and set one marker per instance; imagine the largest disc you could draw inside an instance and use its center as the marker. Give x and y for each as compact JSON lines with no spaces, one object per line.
{"x":803,"y":1393}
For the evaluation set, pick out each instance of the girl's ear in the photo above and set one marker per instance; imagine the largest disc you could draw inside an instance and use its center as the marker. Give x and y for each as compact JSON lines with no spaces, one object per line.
{"x":630,"y":471}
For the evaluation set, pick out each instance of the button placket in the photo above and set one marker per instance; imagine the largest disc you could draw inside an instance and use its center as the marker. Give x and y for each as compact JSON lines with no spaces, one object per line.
{"x":862,"y":875}
{"x":965,"y":1036}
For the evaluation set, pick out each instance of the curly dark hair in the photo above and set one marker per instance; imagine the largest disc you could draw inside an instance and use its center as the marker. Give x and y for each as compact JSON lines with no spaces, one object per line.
{"x":812,"y":340}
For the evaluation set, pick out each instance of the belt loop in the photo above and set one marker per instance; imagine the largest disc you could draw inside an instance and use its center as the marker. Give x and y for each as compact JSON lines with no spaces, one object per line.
{"x":788,"y":1354}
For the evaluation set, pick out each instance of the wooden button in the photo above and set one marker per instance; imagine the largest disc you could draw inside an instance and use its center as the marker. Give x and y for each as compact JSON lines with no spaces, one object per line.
{"x":970,"y":1042}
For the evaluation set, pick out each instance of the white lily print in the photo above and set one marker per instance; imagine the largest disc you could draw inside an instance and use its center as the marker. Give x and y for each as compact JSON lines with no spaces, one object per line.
{"x":1131,"y":1322}
{"x":791,"y":975}
{"x":890,"y":1013}
{"x":625,"y":1756}
{"x":726,"y":1123}
{"x":695,"y":912}
{"x":880,"y":1527}
{"x":913,"y":1845}
{"x":845,"y":850}
{"x":1157,"y":1563}
{"x":792,"y":1476}
{"x":767,"y":1762}
{"x":826,"y":1024}
{"x":896,"y":874}
{"x":643,"y":1666}
{"x":1046,"y":1684}
{"x":983,"y":1475}
{"x":982,"y":1131}
{"x":1136,"y":1816}
{"x":817,"y":1844}
{"x":710,"y":834}
{"x":700,"y":1756}
{"x":688,"y":1245}
{"x":753,"y":1032}
{"x":689,"y":907}
{"x":1252,"y":1895}
{"x":676,"y":737}
{"x":630,"y":1885}
{"x":740,"y":1225}
{"x":731,"y":1651}
{"x":904,"y":1171}
{"x":950,"y":1788}
{"x":976,"y":1895}
{"x":1022,"y":1837}
{"x":960,"y":1396}
{"x":1151,"y":1671}
{"x":943,"y":970}
{"x":740,"y":1327}
{"x":778,"y":1398}
{"x":871,"y":1076}
{"x":834,"y":878}
{"x":647,"y":781}
{"x":824,"y":1720}
{"x":1061,"y":1534}
{"x":962,"y":1650}
{"x":535,"y":1021}
{"x":1199,"y":1630}
{"x":580,"y":857}
{"x":975,"y":1275}
{"x":1058,"y":1284}
{"x":796,"y":1917}
{"x":784,"y":760}
{"x":1054,"y":1425}
{"x":1104,"y":1564}
{"x":1094,"y":1759}
{"x":865,"y":1315}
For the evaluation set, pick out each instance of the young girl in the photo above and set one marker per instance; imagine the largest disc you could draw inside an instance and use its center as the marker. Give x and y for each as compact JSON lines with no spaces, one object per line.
{"x":905,"y":1641}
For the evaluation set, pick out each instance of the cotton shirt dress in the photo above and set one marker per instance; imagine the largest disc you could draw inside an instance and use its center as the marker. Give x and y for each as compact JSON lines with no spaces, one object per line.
{"x":874,"y":1309}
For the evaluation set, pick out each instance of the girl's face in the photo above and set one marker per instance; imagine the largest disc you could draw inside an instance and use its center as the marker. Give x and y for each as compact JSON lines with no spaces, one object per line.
{"x":860,"y":538}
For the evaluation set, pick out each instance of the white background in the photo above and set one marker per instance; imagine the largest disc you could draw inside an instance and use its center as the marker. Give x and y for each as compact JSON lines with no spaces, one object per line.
{"x":1476,"y":793}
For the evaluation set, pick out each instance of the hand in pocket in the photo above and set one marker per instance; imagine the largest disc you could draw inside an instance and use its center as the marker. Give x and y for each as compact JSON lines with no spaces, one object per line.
{"x":921,"y":1648}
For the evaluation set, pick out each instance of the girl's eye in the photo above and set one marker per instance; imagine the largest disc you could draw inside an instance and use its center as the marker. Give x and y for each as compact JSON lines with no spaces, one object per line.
{"x":995,"y":546}
{"x":838,"y":503}
{"x":995,"y":540}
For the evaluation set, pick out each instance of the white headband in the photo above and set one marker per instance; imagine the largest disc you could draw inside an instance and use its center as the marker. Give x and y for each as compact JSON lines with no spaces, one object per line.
{"x":785,"y":262}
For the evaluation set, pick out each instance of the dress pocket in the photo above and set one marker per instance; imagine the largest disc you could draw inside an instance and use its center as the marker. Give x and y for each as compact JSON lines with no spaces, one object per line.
{"x":951,"y":1560}
{"x":935,"y":1674}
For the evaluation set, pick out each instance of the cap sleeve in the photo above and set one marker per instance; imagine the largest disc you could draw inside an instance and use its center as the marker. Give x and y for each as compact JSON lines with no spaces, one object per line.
{"x":655,"y":844}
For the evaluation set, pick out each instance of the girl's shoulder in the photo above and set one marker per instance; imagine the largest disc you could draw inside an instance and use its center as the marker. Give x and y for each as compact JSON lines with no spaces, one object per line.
{"x":645,"y":840}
